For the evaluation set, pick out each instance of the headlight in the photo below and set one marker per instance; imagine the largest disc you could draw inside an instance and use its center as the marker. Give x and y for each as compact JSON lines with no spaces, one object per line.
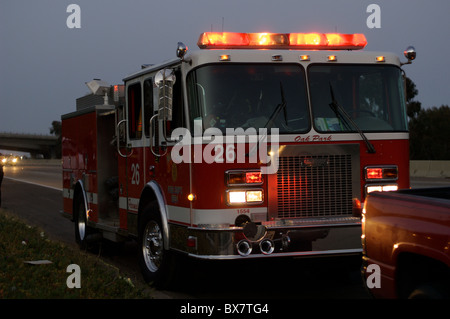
{"x":381,"y":188}
{"x":239,"y":197}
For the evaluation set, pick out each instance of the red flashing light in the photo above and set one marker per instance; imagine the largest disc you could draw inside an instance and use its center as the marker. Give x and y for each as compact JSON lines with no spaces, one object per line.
{"x":312,"y":41}
{"x":253,"y":177}
{"x":212,"y":39}
{"x":239,"y":178}
{"x":344,"y":40}
{"x":308,"y":39}
{"x":268,"y":39}
{"x":381,"y":173}
{"x":374,"y":173}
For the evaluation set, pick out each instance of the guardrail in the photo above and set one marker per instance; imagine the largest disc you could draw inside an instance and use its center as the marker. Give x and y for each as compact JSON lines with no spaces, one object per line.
{"x":429,"y":168}
{"x":34,"y":162}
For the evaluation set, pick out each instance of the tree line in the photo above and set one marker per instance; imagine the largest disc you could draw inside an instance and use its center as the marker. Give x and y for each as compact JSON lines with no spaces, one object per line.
{"x":429,"y":129}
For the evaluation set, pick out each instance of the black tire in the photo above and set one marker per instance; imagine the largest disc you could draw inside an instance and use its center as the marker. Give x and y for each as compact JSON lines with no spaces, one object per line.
{"x":430,"y":291}
{"x":82,"y":230}
{"x":158,"y":265}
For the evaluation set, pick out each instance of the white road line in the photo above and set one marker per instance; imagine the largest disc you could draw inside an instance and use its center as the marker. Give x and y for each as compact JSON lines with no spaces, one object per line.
{"x":37,"y":184}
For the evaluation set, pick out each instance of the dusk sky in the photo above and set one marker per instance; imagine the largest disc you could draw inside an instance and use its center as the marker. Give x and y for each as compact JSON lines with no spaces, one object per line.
{"x":44,"y":64}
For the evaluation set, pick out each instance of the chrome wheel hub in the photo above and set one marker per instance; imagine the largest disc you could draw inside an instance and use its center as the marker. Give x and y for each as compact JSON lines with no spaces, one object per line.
{"x":152,"y":246}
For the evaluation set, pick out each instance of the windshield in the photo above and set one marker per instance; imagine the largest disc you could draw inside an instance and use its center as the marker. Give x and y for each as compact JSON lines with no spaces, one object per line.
{"x":371,"y":95}
{"x":249,"y":95}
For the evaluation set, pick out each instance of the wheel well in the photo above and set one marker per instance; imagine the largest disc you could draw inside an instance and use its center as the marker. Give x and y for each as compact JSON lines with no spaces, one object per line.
{"x":76,"y":192}
{"x":414,"y":270}
{"x":147,"y":197}
{"x":150,"y":194}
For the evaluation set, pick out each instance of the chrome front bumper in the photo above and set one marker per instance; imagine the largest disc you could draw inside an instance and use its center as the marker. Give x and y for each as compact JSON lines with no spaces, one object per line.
{"x":279,"y":238}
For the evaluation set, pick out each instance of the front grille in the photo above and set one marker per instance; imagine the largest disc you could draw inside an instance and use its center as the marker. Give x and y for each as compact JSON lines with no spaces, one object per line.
{"x":314,"y":186}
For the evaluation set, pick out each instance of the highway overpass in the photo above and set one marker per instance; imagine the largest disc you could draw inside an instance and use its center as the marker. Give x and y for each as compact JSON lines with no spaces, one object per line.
{"x":47,"y":145}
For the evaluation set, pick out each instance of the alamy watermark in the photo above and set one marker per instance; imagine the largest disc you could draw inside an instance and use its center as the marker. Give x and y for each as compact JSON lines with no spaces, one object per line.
{"x":374,"y":279}
{"x":74,"y":279}
{"x":74,"y":19}
{"x":374,"y":19}
{"x":237,"y":146}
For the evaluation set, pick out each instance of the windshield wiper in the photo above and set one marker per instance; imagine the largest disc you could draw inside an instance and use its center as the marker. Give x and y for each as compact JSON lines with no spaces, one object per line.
{"x":346,"y":119}
{"x":281,"y":106}
{"x":273,"y":116}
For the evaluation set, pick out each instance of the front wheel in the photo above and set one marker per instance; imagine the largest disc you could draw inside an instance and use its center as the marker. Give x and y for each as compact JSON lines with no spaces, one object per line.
{"x":158,"y":265}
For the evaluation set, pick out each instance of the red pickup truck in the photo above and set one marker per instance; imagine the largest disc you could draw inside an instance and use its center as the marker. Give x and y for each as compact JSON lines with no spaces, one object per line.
{"x":406,"y":243}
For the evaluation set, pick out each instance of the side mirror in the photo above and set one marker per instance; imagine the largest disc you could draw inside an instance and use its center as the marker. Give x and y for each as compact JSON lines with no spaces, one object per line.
{"x":181,"y":50}
{"x":410,"y":54}
{"x":164,"y":80}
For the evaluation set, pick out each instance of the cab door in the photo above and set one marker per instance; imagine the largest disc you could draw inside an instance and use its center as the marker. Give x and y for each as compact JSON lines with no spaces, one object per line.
{"x":173,"y":177}
{"x":131,"y":158}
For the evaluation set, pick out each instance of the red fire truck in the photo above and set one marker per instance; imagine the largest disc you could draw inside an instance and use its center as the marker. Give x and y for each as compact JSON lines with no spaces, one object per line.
{"x":168,"y":157}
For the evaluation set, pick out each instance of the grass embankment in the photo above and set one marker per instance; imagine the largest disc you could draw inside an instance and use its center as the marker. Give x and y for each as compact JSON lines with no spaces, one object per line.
{"x":20,"y":243}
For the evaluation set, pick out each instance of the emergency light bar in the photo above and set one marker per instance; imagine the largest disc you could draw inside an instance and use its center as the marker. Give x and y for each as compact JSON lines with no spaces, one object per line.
{"x":306,"y":41}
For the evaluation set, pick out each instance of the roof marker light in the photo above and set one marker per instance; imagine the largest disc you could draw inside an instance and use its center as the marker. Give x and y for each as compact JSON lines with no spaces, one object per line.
{"x":332,"y":58}
{"x":380,"y":58}
{"x":277,"y":57}
{"x":312,"y":41}
{"x":304,"y":57}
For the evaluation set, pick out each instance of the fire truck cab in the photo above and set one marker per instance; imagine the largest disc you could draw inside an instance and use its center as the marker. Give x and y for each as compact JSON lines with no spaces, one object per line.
{"x":258,"y":145}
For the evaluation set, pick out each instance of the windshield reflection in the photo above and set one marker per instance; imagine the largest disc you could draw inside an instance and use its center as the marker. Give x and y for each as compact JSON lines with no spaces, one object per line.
{"x":274,"y":96}
{"x":371,"y":95}
{"x":256,"y":95}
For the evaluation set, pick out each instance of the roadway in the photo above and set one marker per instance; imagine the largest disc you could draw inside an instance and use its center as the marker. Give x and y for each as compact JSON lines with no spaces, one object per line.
{"x":34,"y":194}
